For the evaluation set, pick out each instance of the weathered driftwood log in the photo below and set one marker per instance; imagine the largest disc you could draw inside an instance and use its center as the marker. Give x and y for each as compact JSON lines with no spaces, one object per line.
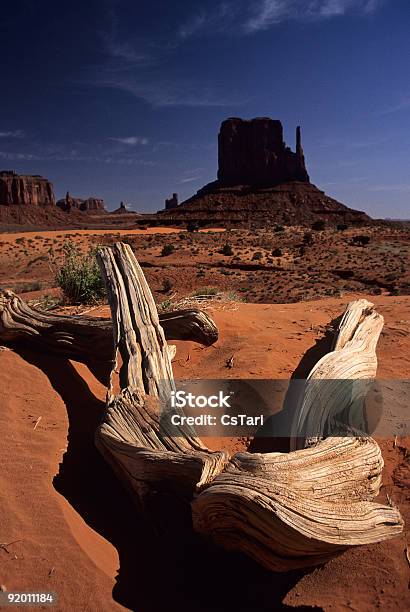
{"x":88,"y":338}
{"x":299,"y":508}
{"x":337,"y":385}
{"x":285,"y":510}
{"x":131,"y":437}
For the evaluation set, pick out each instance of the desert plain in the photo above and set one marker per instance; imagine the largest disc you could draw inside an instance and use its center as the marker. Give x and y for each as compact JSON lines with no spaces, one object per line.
{"x":66,"y":523}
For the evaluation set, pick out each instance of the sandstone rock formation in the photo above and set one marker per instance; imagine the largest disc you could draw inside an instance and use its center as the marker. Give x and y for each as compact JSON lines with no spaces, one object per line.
{"x":171,"y":202}
{"x":25,"y":189}
{"x":90,"y":204}
{"x":261,"y":181}
{"x":254,"y":153}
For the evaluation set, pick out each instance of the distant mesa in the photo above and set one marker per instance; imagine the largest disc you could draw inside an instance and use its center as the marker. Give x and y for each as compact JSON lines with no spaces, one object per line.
{"x":83,"y":205}
{"x":25,"y":190}
{"x":171,"y":203}
{"x":254,"y":153}
{"x":260,"y":181}
{"x":122,"y":210}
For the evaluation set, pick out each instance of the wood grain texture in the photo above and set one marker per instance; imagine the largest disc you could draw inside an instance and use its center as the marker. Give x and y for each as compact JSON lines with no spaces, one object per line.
{"x":286,"y":510}
{"x":348,"y":371}
{"x":88,"y":339}
{"x":301,"y":508}
{"x":132,"y":437}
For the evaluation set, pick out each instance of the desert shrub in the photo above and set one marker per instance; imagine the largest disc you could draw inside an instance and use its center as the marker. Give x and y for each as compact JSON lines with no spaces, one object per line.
{"x":34,"y":286}
{"x":361,"y":240}
{"x":318,"y":226}
{"x":257,"y":255}
{"x":205,"y":291}
{"x":167,"y":249}
{"x":391,"y":277}
{"x":48,"y":302}
{"x":79,"y":276}
{"x":341,"y":227}
{"x":164,"y":306}
{"x":277,"y":252}
{"x":167,"y":284}
{"x":226,"y":250}
{"x":192,"y":226}
{"x":308,"y":238}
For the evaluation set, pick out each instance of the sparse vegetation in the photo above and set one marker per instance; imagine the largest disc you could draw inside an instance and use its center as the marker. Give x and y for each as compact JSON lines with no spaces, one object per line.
{"x":79,"y":276}
{"x":308,"y":239}
{"x":227,"y":250}
{"x":167,"y":249}
{"x":167,"y":285}
{"x":192,"y":226}
{"x":361,"y":240}
{"x":205,"y":291}
{"x":318,"y":226}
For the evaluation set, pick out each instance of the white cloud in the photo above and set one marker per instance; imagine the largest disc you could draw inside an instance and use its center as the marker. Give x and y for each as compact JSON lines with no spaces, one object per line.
{"x":207,"y":20}
{"x":270,"y":12}
{"x":131,"y":140}
{"x":12,"y":134}
{"x":134,"y":64}
{"x":190,"y":179}
{"x":193,"y":25}
{"x":75,"y":157}
{"x":401,"y":105}
{"x":402,"y":188}
{"x":168,"y":92}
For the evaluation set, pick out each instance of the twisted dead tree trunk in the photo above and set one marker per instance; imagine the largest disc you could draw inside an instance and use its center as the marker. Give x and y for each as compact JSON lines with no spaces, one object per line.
{"x":349,"y":370}
{"x":88,"y":339}
{"x":301,"y":508}
{"x":285,"y":510}
{"x":133,"y":440}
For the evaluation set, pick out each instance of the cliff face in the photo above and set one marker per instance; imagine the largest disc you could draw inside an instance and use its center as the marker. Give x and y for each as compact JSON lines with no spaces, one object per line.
{"x":253,"y":152}
{"x":24,"y":190}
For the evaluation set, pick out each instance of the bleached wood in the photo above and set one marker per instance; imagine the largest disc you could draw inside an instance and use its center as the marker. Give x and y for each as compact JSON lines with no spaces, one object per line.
{"x":285,"y":510}
{"x":131,"y":436}
{"x":88,"y":339}
{"x":301,"y":508}
{"x":349,"y":370}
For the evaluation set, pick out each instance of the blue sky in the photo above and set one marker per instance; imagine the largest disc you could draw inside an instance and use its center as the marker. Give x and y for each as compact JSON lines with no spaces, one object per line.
{"x":123,"y":99}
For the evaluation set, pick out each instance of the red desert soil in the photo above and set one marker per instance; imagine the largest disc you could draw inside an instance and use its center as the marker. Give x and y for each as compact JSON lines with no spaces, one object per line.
{"x":68,"y":527}
{"x":11,"y":236}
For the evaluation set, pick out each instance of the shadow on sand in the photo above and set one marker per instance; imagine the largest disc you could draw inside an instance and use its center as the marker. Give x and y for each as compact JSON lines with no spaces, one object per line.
{"x":264,"y":440}
{"x":172,"y":571}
